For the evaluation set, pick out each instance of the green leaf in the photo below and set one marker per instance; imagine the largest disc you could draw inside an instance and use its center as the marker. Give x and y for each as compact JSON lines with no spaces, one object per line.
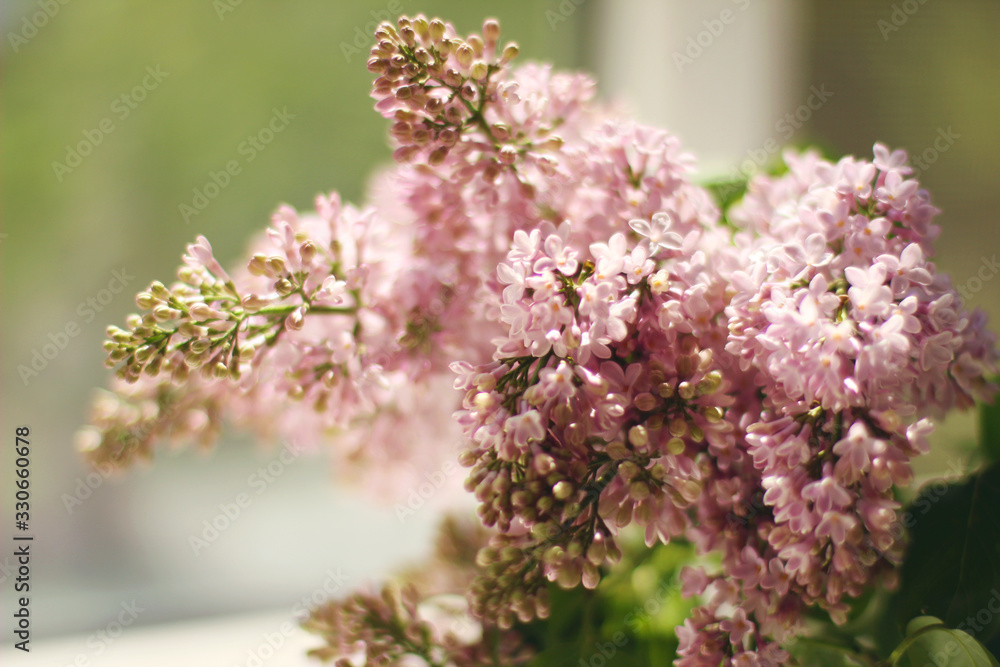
{"x":727,"y":191}
{"x":989,"y":431}
{"x":952,"y":567}
{"x":628,"y":621}
{"x":806,"y":651}
{"x":930,"y":642}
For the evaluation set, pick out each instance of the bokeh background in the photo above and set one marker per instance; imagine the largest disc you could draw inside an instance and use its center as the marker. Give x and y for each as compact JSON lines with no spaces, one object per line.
{"x":906,"y":73}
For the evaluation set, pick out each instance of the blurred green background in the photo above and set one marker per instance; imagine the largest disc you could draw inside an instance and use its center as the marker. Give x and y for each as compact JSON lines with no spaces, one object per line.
{"x":66,"y":233}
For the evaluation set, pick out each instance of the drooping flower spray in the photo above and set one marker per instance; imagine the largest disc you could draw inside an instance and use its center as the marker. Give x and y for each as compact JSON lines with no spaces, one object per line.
{"x":621,"y":355}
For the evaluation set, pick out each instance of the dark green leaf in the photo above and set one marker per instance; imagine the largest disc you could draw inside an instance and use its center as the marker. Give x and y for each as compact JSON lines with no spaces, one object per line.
{"x":952,"y":567}
{"x":989,"y":431}
{"x":929,"y":642}
{"x":811,"y":654}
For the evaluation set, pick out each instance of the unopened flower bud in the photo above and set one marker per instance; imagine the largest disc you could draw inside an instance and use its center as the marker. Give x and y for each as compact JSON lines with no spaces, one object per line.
{"x":477,"y":44}
{"x":597,"y":551}
{"x":509,"y":53}
{"x":144,"y":300}
{"x":152,"y":369}
{"x":675,"y":446}
{"x":118,"y":335}
{"x":143,"y":354}
{"x":252,"y":303}
{"x":709,"y":383}
{"x":491,"y":30}
{"x":544,"y":464}
{"x":256,"y":265}
{"x":437,"y":156}
{"x":562,"y":490}
{"x":307,"y":251}
{"x":159,"y":291}
{"x":165,"y":313}
{"x":296,"y":320}
{"x":508,"y":154}
{"x":639,"y":490}
{"x":180,"y":374}
{"x":553,"y":143}
{"x":274,"y":265}
{"x":638,"y":436}
{"x":617,"y":450}
{"x":628,"y":470}
{"x":705,"y":358}
{"x":479,"y":70}
{"x":189,"y":330}
{"x":713,"y":414}
{"x":645,"y":401}
{"x":201,"y":312}
{"x":464,"y":54}
{"x":436,"y":28}
{"x":501,"y":131}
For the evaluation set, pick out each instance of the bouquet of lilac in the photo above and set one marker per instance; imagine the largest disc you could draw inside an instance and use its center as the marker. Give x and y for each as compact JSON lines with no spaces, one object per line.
{"x":650,"y":385}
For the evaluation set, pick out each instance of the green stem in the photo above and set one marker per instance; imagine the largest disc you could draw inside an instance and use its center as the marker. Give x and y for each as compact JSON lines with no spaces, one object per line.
{"x":322,"y":310}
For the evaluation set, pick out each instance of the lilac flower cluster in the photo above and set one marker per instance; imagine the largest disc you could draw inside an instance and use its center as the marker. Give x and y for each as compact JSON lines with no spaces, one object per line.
{"x":601,"y":398}
{"x":400,"y":627}
{"x":623,"y":358}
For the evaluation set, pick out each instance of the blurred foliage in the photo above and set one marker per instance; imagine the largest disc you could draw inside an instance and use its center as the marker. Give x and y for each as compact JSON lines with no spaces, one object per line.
{"x":627,"y":621}
{"x":226,"y":73}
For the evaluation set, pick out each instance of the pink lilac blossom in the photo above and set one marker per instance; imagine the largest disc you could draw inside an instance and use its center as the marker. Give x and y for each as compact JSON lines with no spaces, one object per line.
{"x":619,"y":356}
